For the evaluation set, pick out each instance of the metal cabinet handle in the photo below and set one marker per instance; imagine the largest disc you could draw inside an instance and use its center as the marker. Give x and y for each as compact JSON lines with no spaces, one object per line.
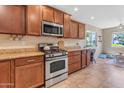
{"x":32,"y":60}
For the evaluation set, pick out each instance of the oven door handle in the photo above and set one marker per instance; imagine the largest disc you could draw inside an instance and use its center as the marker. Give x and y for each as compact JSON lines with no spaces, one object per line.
{"x":57,"y":58}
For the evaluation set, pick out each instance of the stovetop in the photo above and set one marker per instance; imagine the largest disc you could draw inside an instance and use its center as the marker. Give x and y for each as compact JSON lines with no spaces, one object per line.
{"x":55,"y":53}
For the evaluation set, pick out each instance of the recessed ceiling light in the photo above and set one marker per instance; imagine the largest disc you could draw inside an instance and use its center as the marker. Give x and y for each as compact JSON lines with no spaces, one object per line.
{"x":92,"y":17}
{"x":120,"y":27}
{"x":75,"y":9}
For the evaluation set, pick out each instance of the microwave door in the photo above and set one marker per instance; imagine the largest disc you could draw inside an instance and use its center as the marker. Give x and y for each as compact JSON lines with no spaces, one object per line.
{"x":47,"y":29}
{"x":55,"y":31}
{"x":52,"y":29}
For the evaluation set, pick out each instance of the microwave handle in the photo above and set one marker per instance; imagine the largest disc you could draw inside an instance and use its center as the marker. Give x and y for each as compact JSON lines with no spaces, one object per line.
{"x":61,"y":30}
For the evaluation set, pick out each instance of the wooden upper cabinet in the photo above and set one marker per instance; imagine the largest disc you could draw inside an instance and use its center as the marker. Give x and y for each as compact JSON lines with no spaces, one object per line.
{"x":81,"y":31}
{"x":5,"y":80}
{"x":67,"y":19}
{"x":33,"y":20}
{"x":58,"y":16}
{"x":12,"y":19}
{"x":74,"y":29}
{"x":48,"y":13}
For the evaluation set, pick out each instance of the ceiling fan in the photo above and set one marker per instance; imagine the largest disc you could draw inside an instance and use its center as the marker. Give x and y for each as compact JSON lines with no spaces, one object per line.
{"x":120,"y":26}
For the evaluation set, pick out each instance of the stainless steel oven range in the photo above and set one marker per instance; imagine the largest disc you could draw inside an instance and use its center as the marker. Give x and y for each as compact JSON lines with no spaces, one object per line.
{"x":56,"y":65}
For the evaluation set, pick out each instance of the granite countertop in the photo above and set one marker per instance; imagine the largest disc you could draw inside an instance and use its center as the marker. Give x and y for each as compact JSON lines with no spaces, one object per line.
{"x":77,"y":48}
{"x":7,"y":54}
{"x":19,"y":55}
{"x":69,"y":50}
{"x":73,"y":48}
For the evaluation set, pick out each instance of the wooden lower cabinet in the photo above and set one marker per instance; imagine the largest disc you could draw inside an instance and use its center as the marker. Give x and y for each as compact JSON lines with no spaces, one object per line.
{"x":74,"y":67}
{"x":5,"y":74}
{"x":29,"y":75}
{"x":22,"y":73}
{"x":74,"y":61}
{"x":78,"y":60}
{"x":88,"y":56}
{"x":83,"y":58}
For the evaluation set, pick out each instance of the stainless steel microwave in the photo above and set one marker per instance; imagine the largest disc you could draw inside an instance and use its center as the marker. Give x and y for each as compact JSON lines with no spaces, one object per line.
{"x":52,"y":29}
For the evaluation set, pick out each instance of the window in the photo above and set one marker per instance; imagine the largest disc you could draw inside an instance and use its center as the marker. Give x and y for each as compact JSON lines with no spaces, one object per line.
{"x":91,"y":39}
{"x":118,"y":39}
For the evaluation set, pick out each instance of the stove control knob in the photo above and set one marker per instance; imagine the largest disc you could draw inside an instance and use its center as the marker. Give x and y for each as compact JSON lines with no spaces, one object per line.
{"x":50,"y":55}
{"x":64,"y":53}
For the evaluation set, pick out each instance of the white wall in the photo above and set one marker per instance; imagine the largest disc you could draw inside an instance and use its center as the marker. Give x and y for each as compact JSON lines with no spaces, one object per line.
{"x":107,"y":39}
{"x":99,"y":33}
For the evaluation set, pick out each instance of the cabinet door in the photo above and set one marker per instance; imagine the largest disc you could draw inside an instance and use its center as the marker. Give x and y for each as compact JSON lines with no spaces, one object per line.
{"x":82,"y":31}
{"x":74,"y":53}
{"x":74,"y":67}
{"x":48,"y":13}
{"x":88,"y":56}
{"x":31,"y":75}
{"x":74,"y":29}
{"x":5,"y":81}
{"x":58,"y":15}
{"x":74,"y":61}
{"x":12,"y":19}
{"x":33,"y":20}
{"x":84,"y":63}
{"x":67,"y":25}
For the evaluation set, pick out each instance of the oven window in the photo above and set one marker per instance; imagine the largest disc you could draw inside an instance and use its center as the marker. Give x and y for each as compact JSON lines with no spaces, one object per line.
{"x":57,"y":65}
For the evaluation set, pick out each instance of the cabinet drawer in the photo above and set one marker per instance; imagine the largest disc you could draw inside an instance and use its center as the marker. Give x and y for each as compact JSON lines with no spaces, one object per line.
{"x":74,"y":53}
{"x":28,"y":60}
{"x":74,"y":67}
{"x":74,"y":59}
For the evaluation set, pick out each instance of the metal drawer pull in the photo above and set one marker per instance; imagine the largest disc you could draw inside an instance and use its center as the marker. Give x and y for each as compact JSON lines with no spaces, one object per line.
{"x":32,"y":60}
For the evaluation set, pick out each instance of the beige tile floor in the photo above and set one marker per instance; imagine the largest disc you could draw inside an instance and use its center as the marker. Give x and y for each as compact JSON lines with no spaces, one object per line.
{"x":99,"y":75}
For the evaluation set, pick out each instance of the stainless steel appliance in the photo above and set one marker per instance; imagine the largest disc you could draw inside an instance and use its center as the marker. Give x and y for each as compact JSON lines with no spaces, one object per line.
{"x":56,"y":65}
{"x":52,"y":29}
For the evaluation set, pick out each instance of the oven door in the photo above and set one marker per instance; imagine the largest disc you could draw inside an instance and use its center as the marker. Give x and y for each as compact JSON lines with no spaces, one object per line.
{"x":56,"y":67}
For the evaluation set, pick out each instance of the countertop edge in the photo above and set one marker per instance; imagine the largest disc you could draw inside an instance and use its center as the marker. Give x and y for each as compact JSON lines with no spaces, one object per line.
{"x":19,"y":55}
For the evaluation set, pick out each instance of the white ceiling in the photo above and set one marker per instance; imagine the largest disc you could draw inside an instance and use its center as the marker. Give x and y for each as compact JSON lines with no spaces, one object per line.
{"x":105,"y":15}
